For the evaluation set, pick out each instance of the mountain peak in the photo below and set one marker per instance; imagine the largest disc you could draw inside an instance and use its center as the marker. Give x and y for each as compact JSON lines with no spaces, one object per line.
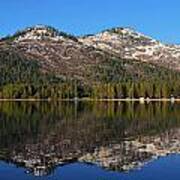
{"x":129,"y":32}
{"x":37,"y":32}
{"x":128,"y":43}
{"x":126,"y":35}
{"x":120,"y":29}
{"x":41,"y":32}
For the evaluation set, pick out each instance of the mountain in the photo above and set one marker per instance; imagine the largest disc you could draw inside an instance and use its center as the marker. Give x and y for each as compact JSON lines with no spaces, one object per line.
{"x":129,"y":44}
{"x":41,"y":60}
{"x":56,"y":52}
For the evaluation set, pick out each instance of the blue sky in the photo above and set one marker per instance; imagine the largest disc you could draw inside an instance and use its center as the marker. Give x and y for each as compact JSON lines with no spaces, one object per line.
{"x":157,"y":18}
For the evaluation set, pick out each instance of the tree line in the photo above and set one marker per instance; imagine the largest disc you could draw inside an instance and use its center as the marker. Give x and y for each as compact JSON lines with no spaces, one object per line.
{"x":98,"y":91}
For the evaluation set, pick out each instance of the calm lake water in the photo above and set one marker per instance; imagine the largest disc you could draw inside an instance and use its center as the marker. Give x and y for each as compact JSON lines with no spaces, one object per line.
{"x":92,"y":141}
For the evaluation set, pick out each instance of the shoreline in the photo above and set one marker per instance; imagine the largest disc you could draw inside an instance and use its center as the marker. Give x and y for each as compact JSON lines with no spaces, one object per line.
{"x":141,"y":100}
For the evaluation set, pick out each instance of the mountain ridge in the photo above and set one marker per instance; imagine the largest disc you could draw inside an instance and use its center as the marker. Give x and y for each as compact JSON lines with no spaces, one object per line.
{"x":87,"y":34}
{"x":88,"y":65}
{"x":120,"y":42}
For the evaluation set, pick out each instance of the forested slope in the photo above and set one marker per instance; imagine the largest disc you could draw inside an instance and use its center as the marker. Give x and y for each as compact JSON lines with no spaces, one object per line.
{"x":23,"y":77}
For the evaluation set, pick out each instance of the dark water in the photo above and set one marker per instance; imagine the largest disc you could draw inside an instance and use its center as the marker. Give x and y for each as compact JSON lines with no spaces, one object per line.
{"x":103,"y":141}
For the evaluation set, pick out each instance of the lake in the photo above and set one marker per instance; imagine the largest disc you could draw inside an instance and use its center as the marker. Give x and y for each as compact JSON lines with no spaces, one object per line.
{"x":89,"y":140}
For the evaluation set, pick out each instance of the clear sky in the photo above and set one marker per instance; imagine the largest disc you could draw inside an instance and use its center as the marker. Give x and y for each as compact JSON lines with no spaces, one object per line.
{"x":157,"y":18}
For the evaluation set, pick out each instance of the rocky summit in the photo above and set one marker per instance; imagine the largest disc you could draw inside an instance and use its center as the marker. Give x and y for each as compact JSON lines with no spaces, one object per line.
{"x":126,"y":43}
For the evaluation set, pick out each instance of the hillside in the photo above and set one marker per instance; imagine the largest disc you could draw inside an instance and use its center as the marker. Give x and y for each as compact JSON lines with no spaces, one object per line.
{"x":41,"y":62}
{"x":129,"y":44}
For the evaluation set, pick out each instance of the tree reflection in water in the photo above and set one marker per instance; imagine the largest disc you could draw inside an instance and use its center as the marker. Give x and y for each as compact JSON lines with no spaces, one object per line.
{"x":118,"y":136}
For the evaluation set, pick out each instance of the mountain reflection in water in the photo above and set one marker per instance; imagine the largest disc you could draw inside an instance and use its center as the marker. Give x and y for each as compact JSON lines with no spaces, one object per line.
{"x":117,"y":136}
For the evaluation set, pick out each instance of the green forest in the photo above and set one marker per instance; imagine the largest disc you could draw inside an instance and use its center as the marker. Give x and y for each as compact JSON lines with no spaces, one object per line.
{"x":21,"y":78}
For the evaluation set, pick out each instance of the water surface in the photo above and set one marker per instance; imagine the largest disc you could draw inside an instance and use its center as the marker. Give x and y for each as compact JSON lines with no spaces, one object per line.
{"x":66,"y":140}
